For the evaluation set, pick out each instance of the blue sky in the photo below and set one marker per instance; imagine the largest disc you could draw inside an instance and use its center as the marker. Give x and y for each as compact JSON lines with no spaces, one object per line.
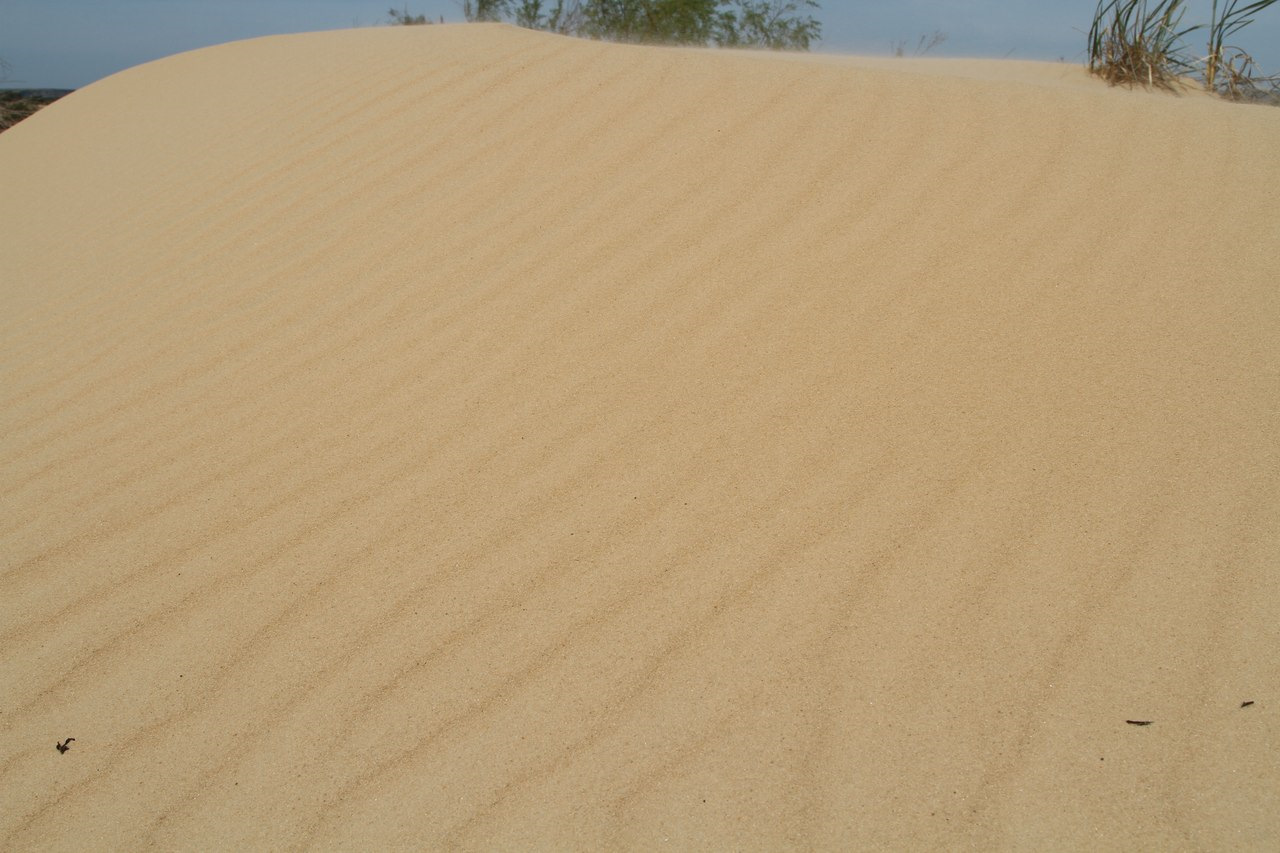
{"x":71,"y":43}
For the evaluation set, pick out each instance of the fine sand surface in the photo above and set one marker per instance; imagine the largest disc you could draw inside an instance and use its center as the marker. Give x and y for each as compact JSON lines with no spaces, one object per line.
{"x":469,"y":437}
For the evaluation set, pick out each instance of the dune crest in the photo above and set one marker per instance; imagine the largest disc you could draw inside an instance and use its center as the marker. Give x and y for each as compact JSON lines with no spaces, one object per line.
{"x":460,"y":436}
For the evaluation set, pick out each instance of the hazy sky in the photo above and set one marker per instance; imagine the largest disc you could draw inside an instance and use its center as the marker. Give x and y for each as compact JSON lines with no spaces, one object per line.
{"x":71,"y":43}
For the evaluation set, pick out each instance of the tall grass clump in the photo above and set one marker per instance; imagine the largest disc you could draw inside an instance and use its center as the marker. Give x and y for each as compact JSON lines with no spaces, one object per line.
{"x":1136,"y":41}
{"x":1229,"y":70}
{"x":1140,"y":41}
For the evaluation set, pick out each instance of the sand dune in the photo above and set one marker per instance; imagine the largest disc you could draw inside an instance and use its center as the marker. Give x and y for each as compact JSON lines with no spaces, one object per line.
{"x":467,"y":437}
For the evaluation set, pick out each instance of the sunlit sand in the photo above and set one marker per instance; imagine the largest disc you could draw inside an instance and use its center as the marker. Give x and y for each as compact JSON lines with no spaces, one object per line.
{"x":465,"y":437}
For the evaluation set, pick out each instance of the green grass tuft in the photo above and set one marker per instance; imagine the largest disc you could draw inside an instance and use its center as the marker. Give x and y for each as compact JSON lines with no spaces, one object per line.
{"x":1134,"y":41}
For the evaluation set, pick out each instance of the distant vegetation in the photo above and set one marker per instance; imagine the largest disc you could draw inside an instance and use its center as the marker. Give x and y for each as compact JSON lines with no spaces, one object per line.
{"x":778,"y":24}
{"x":403,"y":17}
{"x":924,"y":44}
{"x":17,"y":104}
{"x":1140,"y":42}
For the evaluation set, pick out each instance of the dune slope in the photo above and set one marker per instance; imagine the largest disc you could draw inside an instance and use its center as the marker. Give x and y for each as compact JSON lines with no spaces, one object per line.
{"x":468,"y":437}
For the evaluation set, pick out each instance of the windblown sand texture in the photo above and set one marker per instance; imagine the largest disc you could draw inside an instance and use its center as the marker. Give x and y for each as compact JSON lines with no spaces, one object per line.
{"x":467,"y":437}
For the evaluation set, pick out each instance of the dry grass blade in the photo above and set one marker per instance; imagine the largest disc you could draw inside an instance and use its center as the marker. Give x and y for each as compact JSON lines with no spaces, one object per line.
{"x":1238,"y":80}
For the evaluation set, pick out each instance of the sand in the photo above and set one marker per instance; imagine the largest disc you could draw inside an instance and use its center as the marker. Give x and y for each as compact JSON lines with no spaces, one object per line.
{"x":464,"y":437}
